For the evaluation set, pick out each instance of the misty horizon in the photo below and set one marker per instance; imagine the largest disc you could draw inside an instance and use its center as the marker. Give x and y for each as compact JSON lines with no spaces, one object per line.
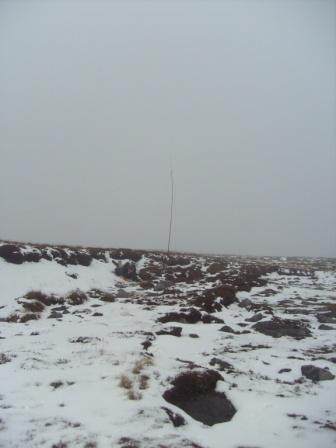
{"x":98,"y":97}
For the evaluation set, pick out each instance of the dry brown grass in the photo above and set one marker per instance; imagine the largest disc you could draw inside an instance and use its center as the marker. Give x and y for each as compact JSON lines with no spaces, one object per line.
{"x":125,"y":382}
{"x":140,"y":364}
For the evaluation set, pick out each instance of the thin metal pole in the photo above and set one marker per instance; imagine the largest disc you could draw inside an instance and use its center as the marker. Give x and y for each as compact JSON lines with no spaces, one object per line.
{"x":171,"y":207}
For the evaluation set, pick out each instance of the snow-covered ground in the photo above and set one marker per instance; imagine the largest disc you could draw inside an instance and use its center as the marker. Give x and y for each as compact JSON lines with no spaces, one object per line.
{"x":84,"y":379}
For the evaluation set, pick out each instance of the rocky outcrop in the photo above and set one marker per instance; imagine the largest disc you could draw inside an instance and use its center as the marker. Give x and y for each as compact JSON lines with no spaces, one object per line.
{"x":194,"y":392}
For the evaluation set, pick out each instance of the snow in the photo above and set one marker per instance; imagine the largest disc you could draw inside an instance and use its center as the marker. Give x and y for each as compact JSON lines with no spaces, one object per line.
{"x":90,"y":406}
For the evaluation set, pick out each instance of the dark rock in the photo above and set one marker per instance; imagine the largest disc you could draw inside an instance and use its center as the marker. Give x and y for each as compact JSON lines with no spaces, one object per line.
{"x":191,"y":317}
{"x":325,"y":327}
{"x":227,"y":329}
{"x":84,"y":259}
{"x":208,"y":319}
{"x":146,"y":344}
{"x":97,"y":314}
{"x":215,"y":298}
{"x":316,"y":373}
{"x":246,"y":303}
{"x":255,"y":318}
{"x":194,"y":392}
{"x":222,"y":365}
{"x":176,"y":419}
{"x":56,"y":384}
{"x":284,"y":370}
{"x":193,"y":335}
{"x":216,"y":267}
{"x":283,"y":327}
{"x":146,"y":284}
{"x":32,"y":257}
{"x":55,"y":315}
{"x":29,"y":316}
{"x":126,"y":254}
{"x":11,"y":253}
{"x":327,"y":318}
{"x":127,"y":270}
{"x":172,"y":331}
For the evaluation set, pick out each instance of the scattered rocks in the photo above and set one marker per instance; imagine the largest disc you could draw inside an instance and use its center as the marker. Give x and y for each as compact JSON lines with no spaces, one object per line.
{"x":278,"y":328}
{"x":194,"y":392}
{"x":84,"y":340}
{"x":190,"y":316}
{"x":316,"y":373}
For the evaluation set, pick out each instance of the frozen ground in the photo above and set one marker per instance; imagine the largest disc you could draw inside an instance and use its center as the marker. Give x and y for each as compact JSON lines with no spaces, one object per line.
{"x":80,"y":376}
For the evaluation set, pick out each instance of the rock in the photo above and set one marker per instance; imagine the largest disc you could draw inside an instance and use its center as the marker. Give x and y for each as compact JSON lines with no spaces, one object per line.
{"x":29,"y":316}
{"x":127,"y":270}
{"x":176,"y":419}
{"x":284,"y":370}
{"x":55,"y":315}
{"x":11,"y":253}
{"x":172,"y":331}
{"x":255,"y":318}
{"x":222,"y":365}
{"x":216,"y":267}
{"x":246,"y":303}
{"x":190,"y":317}
{"x":146,"y":284}
{"x":97,"y":314}
{"x":193,"y":335}
{"x":316,"y":373}
{"x":194,"y":393}
{"x":325,"y":327}
{"x":214,"y":299}
{"x":146,"y":344}
{"x":278,"y":328}
{"x":327,"y":318}
{"x":208,"y":319}
{"x":228,"y":329}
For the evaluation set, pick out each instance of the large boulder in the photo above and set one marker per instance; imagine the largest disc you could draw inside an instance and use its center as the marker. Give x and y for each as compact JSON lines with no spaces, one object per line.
{"x":277,"y":328}
{"x":194,"y":392}
{"x":316,"y":373}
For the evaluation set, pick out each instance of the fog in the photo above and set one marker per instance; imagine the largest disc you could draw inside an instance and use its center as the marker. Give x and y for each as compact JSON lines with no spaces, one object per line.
{"x":97,"y":98}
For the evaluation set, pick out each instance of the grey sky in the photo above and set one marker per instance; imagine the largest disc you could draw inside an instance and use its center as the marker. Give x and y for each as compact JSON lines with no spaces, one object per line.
{"x":96,"y":96}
